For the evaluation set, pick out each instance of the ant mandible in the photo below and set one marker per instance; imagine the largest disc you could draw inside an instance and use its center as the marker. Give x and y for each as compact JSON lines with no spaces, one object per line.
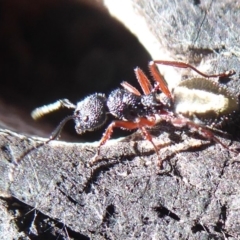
{"x":195,"y":103}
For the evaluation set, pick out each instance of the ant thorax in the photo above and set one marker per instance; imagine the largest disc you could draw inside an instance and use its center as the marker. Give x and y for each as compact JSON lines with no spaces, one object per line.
{"x":205,"y":100}
{"x":125,"y":105}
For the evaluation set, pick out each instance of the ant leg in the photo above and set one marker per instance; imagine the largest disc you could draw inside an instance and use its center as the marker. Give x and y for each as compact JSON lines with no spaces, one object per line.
{"x":180,"y":122}
{"x":143,"y":81}
{"x":122,"y":124}
{"x":130,"y":88}
{"x":141,"y":123}
{"x":186,"y":65}
{"x":162,"y":84}
{"x":149,"y":138}
{"x":41,"y":111}
{"x":108,"y":132}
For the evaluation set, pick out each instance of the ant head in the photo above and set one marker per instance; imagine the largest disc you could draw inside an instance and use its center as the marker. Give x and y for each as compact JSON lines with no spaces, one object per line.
{"x":90,"y":113}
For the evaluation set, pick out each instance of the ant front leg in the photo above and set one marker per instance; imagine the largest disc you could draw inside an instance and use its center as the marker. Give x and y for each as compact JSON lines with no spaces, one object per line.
{"x":186,"y":65}
{"x":106,"y":136}
{"x":140,"y":123}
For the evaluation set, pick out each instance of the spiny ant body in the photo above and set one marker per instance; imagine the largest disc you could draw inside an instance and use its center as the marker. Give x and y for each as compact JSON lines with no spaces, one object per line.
{"x":194,"y":103}
{"x":127,"y":106}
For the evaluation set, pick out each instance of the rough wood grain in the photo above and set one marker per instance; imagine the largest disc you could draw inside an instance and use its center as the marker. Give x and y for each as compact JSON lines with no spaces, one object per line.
{"x":51,"y":191}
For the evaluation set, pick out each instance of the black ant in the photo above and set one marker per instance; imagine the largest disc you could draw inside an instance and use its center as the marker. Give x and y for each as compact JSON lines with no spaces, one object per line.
{"x":197,"y":103}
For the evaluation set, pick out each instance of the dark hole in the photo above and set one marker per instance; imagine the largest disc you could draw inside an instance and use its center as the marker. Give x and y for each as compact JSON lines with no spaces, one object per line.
{"x":110,"y":210}
{"x":162,"y":212}
{"x":198,"y":228}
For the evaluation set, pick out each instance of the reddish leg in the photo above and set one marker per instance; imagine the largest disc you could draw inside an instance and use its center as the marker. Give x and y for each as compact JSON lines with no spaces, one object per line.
{"x":149,"y":138}
{"x":141,"y":123}
{"x":181,"y":122}
{"x":157,"y":77}
{"x":143,"y":81}
{"x":185,"y":65}
{"x":130,"y":88}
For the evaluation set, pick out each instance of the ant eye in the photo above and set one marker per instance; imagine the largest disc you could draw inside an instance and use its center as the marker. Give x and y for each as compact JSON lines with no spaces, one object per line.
{"x":77,"y":112}
{"x":86,"y":118}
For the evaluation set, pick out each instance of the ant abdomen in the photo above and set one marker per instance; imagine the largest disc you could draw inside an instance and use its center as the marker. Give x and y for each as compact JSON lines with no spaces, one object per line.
{"x":205,"y":100}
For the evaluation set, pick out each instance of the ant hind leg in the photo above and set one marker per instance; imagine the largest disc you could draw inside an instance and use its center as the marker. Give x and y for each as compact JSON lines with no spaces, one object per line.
{"x":206,"y":133}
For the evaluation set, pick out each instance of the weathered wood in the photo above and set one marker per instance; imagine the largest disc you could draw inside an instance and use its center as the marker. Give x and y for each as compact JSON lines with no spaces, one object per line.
{"x":125,"y":196}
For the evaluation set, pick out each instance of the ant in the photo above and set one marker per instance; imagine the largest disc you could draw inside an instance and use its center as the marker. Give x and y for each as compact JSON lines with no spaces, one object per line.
{"x":198,"y":103}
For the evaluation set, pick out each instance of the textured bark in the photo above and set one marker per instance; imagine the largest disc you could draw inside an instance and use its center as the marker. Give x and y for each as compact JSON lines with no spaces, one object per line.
{"x":50,"y":190}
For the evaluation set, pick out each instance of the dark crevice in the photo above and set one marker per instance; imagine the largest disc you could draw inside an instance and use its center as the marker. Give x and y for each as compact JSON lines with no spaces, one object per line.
{"x":223,"y":215}
{"x":69,"y":198}
{"x":109,"y":215}
{"x":72,"y":200}
{"x":163,"y":212}
{"x":38,"y":226}
{"x":199,"y":228}
{"x":177,"y":173}
{"x":222,"y":218}
{"x":196,"y":2}
{"x":64,"y":191}
{"x":145,"y":220}
{"x":108,"y":221}
{"x":6,"y":150}
{"x":76,"y":235}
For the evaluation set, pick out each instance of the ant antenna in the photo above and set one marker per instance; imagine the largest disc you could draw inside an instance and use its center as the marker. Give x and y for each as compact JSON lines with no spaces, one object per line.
{"x":41,"y":111}
{"x":59,"y":128}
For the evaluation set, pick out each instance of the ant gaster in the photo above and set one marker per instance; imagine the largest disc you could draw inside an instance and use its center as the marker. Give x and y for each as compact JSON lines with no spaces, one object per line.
{"x":195,"y":103}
